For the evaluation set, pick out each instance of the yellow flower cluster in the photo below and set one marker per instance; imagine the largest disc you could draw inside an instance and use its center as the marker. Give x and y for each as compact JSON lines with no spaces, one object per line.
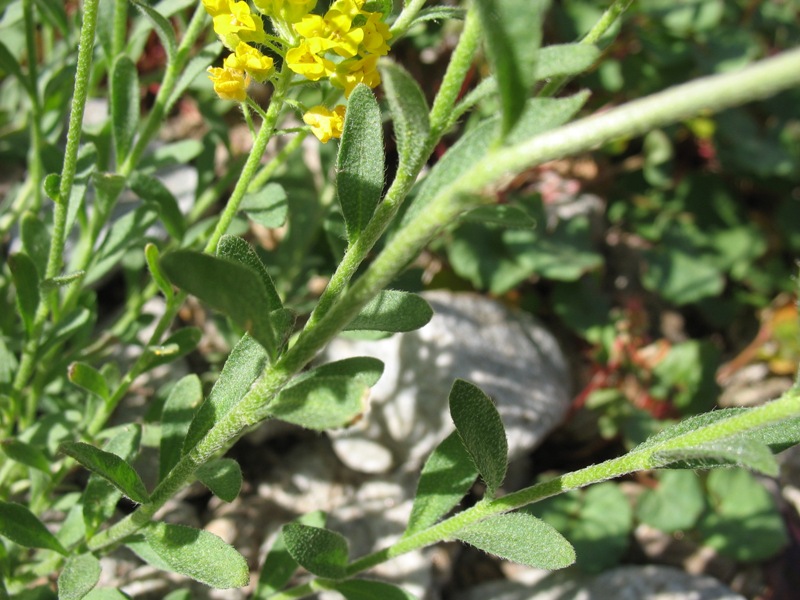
{"x":342,"y":46}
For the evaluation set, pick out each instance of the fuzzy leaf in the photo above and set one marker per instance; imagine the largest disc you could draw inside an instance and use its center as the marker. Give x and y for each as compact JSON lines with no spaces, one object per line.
{"x":365,"y":589}
{"x":228,"y":286}
{"x":321,"y":402}
{"x":223,"y":477}
{"x":409,"y":113}
{"x":163,"y":28}
{"x":26,"y":454}
{"x":392,"y":311}
{"x":21,"y":526}
{"x":268,"y":206}
{"x":124,"y":100}
{"x":80,"y":574}
{"x":150,"y":189}
{"x":360,"y":162}
{"x":244,"y":364}
{"x":26,"y":282}
{"x":544,"y":114}
{"x":521,"y":538}
{"x":279,"y":566}
{"x":512,"y":32}
{"x":176,"y":417}
{"x":59,"y":281}
{"x":481,"y":431}
{"x":737,"y":451}
{"x":87,"y":377}
{"x":565,"y":59}
{"x":110,"y":467}
{"x":445,"y":479}
{"x":320,"y":551}
{"x":195,"y":553}
{"x":235,"y":248}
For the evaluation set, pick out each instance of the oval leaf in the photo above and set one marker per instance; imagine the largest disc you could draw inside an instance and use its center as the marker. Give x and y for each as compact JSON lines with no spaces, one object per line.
{"x":738,"y":451}
{"x":321,"y":402}
{"x":26,"y":454}
{"x":392,"y":311}
{"x":26,"y":282}
{"x":197,"y":554}
{"x":86,"y":376}
{"x":176,"y":417}
{"x":565,"y":59}
{"x":521,"y":538}
{"x":81,"y":573}
{"x":21,"y":526}
{"x":124,"y":99}
{"x":364,"y":369}
{"x":320,"y":551}
{"x":150,"y":189}
{"x":223,"y":477}
{"x":110,"y":467}
{"x":481,"y":431}
{"x":445,"y":479}
{"x":235,"y":248}
{"x":268,"y":206}
{"x":360,"y":162}
{"x":409,"y":113}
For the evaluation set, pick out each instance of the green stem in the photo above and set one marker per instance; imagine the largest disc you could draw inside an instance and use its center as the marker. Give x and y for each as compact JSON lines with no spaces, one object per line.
{"x":120,"y":29}
{"x":54,"y":259}
{"x":403,"y":21}
{"x":608,"y":18}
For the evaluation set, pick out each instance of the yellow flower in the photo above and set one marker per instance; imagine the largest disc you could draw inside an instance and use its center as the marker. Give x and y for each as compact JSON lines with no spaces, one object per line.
{"x":290,"y":11}
{"x":348,"y":7}
{"x":376,"y":32}
{"x":216,"y":7}
{"x":239,"y":24}
{"x":350,"y":73}
{"x":305,"y":59}
{"x":325,"y":124}
{"x":230,"y":84}
{"x":247,"y":58}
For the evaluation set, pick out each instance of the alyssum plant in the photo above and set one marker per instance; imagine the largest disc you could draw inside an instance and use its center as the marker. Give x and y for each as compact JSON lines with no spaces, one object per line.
{"x":339,"y":51}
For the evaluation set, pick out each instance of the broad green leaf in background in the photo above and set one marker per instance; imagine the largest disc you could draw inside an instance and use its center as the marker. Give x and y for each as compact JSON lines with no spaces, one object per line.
{"x":392,"y":311}
{"x":512,"y":33}
{"x":409,"y":113}
{"x":445,"y":479}
{"x":360,"y":162}
{"x":176,"y":416}
{"x":244,"y":364}
{"x":194,"y":553}
{"x":150,"y":189}
{"x":227,"y":285}
{"x":21,"y":526}
{"x":162,"y":26}
{"x":565,"y":59}
{"x":521,"y":538}
{"x":26,"y":454}
{"x":279,"y":566}
{"x":87,"y":163}
{"x":9,"y":64}
{"x":110,"y":467}
{"x":268,"y":206}
{"x":235,"y":248}
{"x":675,"y":504}
{"x":481,"y":431}
{"x":35,"y":240}
{"x":543,"y":114}
{"x":743,"y":522}
{"x":320,"y":551}
{"x":90,"y":379}
{"x":124,"y":101}
{"x":223,"y":477}
{"x":26,"y":282}
{"x":500,"y":214}
{"x":80,"y":574}
{"x":366,"y":589}
{"x":178,"y":344}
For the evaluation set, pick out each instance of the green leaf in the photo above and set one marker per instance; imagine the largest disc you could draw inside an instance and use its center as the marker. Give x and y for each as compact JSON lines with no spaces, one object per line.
{"x":500,"y":214}
{"x":446,"y":477}
{"x":150,"y":189}
{"x":55,"y":13}
{"x":228,"y":286}
{"x":153,"y":256}
{"x":512,"y":32}
{"x":565,"y":59}
{"x":80,"y":574}
{"x":223,"y":477}
{"x":124,"y":101}
{"x":59,"y":281}
{"x":86,"y":376}
{"x":245,"y":363}
{"x":52,"y":187}
{"x":194,"y":553}
{"x":365,"y":589}
{"x":21,"y":526}
{"x":543,"y":114}
{"x":105,"y":594}
{"x":178,"y":344}
{"x":26,"y":282}
{"x":279,"y":565}
{"x":409,"y":114}
{"x":268,"y":206}
{"x":360,"y":162}
{"x":521,"y":538}
{"x":440,"y":13}
{"x":743,"y":523}
{"x":481,"y":431}
{"x":235,"y":248}
{"x":321,"y":402}
{"x":35,"y":240}
{"x":198,"y":64}
{"x":320,"y":551}
{"x":392,"y":311}
{"x":127,"y":231}
{"x":176,"y":417}
{"x":737,"y":451}
{"x":26,"y":454}
{"x":110,"y":467}
{"x":9,"y":65}
{"x":364,"y":369}
{"x":163,"y":28}
{"x":675,"y":504}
